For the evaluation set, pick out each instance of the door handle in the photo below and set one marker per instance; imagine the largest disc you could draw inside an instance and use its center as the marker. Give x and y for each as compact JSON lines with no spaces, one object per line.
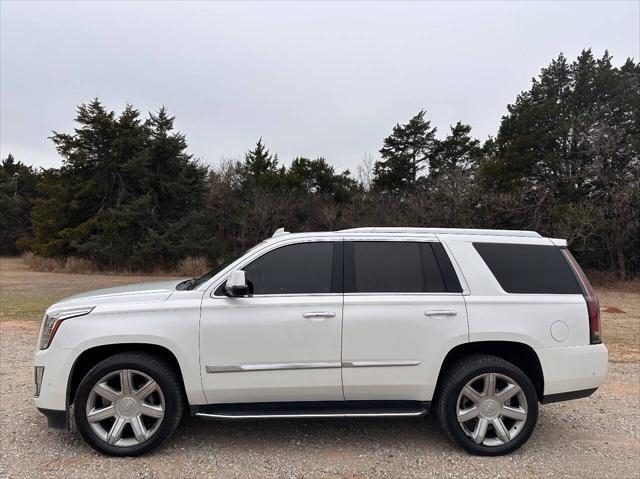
{"x":319,"y":314}
{"x":435,"y":313}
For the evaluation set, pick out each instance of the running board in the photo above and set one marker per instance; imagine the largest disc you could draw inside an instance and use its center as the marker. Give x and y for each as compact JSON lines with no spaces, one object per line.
{"x":309,"y":410}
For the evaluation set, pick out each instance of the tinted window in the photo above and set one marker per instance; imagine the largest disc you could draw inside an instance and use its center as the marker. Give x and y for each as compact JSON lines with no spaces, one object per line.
{"x":293,"y":269}
{"x":451,"y":282}
{"x":395,"y":267}
{"x":534,"y":269}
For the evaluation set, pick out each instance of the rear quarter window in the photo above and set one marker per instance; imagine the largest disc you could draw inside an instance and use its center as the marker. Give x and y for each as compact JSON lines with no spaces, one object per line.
{"x":529,"y":269}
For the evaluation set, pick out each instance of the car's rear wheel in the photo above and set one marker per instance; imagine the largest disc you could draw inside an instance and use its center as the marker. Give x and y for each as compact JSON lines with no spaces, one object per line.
{"x":128,"y":404}
{"x":487,"y":405}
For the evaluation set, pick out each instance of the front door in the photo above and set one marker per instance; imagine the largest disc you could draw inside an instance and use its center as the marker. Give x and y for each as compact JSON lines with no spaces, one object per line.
{"x":283,"y":341}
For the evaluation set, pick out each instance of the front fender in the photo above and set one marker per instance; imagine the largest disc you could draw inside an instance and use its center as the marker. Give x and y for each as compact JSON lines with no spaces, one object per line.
{"x":172,"y":329}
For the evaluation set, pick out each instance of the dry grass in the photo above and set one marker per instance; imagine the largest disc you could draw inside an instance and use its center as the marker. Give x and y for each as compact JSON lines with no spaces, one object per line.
{"x":191,"y":266}
{"x":58,"y":265}
{"x":26,"y":293}
{"x":620,"y":323}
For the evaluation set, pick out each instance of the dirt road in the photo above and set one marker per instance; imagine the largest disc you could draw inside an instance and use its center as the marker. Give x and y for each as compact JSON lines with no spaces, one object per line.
{"x":593,"y":437}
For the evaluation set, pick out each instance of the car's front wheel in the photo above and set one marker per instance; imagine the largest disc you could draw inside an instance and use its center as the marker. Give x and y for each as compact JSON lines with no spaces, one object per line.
{"x":487,"y":405}
{"x":128,"y":404}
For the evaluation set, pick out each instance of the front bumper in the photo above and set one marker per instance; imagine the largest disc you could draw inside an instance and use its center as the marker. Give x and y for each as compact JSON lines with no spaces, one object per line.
{"x":57,"y":364}
{"x":572,"y":369}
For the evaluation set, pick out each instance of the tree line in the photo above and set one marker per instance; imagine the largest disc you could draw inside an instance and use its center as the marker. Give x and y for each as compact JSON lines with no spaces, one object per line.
{"x":565,"y":162}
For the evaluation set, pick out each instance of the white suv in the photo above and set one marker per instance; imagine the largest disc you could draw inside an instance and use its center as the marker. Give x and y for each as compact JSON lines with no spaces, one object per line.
{"x":476,"y":326}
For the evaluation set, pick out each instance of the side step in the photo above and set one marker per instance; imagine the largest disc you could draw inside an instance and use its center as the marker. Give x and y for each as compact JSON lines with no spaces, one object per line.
{"x":282,"y":410}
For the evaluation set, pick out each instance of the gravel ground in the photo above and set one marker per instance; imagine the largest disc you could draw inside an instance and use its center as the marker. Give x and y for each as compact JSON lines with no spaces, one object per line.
{"x":593,"y":437}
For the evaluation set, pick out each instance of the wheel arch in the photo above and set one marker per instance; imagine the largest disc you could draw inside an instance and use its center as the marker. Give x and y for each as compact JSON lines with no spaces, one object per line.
{"x":92,"y":356}
{"x":520,"y":354}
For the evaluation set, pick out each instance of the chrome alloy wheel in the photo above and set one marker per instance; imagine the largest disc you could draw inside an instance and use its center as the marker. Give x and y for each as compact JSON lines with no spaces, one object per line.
{"x":492,"y":409}
{"x":125,"y":408}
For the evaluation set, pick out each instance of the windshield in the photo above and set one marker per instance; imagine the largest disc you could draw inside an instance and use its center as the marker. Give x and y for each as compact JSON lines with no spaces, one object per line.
{"x":195,"y":282}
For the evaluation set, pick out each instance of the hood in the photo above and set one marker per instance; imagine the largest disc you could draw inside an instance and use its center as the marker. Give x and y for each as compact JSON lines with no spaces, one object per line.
{"x":153,"y":292}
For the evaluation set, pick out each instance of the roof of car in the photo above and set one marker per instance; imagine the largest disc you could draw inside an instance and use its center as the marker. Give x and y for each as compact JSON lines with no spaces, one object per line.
{"x":420,"y":231}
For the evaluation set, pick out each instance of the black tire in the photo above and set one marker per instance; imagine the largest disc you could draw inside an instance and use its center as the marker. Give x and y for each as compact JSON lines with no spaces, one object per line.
{"x":457,"y":376}
{"x":157,"y":369}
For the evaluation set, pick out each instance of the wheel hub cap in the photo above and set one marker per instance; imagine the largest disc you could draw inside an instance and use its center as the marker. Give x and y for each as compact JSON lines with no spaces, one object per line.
{"x":492,"y":409}
{"x":125,"y":408}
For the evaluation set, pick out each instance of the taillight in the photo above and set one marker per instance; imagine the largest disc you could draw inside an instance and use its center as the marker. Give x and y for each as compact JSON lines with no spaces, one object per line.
{"x":594,"y":319}
{"x":593,"y":306}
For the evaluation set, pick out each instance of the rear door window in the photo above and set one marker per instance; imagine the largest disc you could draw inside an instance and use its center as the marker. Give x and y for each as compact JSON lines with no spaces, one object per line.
{"x":396,"y":267}
{"x":529,"y":269}
{"x":387,"y":267}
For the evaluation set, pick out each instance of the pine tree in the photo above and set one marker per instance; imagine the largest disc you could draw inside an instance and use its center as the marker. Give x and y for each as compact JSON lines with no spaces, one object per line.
{"x":260,"y":169}
{"x":122,"y":186}
{"x":319,"y":177}
{"x":405,"y":153}
{"x":534,"y":138}
{"x":17,"y":191}
{"x":259,"y":161}
{"x":572,"y":140}
{"x":457,"y":152}
{"x":453,"y":172}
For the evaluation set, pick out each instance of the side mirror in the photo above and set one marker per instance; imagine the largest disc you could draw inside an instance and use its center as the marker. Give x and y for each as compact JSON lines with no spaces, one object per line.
{"x":237,"y":284}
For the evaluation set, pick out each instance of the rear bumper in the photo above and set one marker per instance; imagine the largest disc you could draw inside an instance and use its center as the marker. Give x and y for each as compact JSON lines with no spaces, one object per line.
{"x":570,"y":396}
{"x":55,"y":419}
{"x":578,"y":370}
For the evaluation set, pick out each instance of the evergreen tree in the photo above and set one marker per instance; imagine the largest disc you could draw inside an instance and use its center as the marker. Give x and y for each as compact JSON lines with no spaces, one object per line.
{"x":565,"y":162}
{"x":533,"y":139}
{"x":259,"y":161}
{"x":405,"y":153}
{"x":573,"y":139}
{"x":122,"y":186}
{"x":319,"y":177}
{"x":457,"y":152}
{"x":452,"y":175}
{"x":260,"y":169}
{"x":17,"y":191}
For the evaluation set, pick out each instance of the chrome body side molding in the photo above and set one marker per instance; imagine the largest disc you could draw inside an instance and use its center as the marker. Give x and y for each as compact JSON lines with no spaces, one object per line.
{"x":377,"y":364}
{"x":238,"y":368}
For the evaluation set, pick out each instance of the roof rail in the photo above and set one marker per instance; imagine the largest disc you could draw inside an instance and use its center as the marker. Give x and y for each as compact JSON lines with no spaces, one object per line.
{"x":448,"y":231}
{"x":279,"y":232}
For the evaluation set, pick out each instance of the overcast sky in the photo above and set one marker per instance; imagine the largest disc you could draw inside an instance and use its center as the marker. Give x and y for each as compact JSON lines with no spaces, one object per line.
{"x":313,"y":79}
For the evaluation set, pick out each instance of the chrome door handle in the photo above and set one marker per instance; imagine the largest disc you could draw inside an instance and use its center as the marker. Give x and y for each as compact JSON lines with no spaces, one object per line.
{"x":319,"y":314}
{"x":440,"y":313}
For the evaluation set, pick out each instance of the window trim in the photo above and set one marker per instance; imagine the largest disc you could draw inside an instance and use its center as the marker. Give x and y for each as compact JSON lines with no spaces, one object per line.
{"x":240,"y":263}
{"x":349,"y":269}
{"x":498,"y":284}
{"x":337,"y":245}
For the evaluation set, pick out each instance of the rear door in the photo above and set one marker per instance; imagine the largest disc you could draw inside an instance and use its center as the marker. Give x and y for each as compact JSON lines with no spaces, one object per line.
{"x":403,"y":310}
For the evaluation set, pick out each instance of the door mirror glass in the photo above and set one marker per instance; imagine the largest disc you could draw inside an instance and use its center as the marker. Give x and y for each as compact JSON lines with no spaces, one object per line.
{"x":237,"y":284}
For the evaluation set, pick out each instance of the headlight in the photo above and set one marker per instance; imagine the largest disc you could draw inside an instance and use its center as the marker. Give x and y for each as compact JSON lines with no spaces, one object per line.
{"x":51,"y":323}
